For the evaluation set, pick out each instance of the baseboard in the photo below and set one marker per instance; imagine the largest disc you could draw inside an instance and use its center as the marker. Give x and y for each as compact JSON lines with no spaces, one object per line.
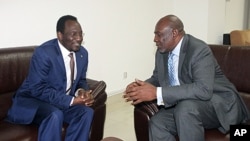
{"x":111,"y":93}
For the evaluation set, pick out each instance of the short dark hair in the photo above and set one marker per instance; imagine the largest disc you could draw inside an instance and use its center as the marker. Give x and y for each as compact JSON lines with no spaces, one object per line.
{"x":61,"y":22}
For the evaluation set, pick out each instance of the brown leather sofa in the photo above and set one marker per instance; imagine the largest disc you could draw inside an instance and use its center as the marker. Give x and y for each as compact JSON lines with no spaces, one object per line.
{"x":14,"y":64}
{"x":235,"y":63}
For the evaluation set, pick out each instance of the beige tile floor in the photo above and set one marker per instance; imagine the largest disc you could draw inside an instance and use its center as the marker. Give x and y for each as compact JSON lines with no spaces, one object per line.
{"x":119,"y":119}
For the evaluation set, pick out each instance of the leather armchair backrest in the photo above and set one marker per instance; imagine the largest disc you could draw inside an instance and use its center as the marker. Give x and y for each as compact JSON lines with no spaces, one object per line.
{"x":235,"y":63}
{"x":13,"y":67}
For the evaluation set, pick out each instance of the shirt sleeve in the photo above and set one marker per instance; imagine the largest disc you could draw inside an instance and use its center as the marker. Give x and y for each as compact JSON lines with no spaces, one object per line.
{"x":159,"y":96}
{"x":72,"y":101}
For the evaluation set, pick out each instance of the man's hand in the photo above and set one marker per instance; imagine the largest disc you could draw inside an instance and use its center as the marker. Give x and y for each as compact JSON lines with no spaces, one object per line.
{"x":84,"y":97}
{"x":139,"y":91}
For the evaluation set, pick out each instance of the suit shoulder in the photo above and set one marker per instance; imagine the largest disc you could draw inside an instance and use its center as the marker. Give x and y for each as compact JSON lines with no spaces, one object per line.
{"x":83,"y":50}
{"x":192,"y":43}
{"x":48,"y":47}
{"x":195,"y":46}
{"x":49,"y":44}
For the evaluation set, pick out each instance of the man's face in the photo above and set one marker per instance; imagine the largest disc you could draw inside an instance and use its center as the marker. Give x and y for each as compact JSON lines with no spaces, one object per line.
{"x":163,"y":37}
{"x":72,"y":36}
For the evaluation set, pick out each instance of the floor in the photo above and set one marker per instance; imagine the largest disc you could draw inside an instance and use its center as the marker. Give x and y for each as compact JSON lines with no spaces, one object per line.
{"x":119,"y":119}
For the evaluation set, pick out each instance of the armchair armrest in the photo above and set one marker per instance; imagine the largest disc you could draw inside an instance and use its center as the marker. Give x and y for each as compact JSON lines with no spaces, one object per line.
{"x":99,"y":107}
{"x":98,"y":91}
{"x":142,"y":114}
{"x":149,"y":108}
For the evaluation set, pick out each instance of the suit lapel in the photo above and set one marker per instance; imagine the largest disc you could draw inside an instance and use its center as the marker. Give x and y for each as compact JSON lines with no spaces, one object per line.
{"x":79,"y":62}
{"x":182,"y":55}
{"x":60,"y":59}
{"x":166,"y":67}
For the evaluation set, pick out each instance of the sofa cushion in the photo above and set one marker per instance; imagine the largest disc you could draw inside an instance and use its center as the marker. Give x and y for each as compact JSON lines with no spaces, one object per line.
{"x":14,"y":132}
{"x":5,"y":103}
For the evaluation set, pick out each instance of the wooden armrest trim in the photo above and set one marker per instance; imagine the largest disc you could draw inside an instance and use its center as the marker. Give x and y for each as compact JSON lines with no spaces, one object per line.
{"x":148,"y":107}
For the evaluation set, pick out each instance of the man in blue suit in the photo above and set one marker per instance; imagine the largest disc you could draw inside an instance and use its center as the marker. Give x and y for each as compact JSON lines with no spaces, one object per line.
{"x":193,"y":92}
{"x":52,"y":93}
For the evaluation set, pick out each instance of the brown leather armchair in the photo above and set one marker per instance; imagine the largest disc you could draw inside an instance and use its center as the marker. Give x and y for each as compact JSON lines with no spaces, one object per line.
{"x":14,"y":64}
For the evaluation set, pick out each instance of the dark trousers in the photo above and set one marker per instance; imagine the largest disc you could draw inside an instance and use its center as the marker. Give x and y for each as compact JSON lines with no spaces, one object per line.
{"x":187,"y":120}
{"x":51,"y":119}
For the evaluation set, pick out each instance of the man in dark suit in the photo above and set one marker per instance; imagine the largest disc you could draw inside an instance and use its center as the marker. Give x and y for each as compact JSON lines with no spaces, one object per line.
{"x":193,"y":92}
{"x":52,"y":93}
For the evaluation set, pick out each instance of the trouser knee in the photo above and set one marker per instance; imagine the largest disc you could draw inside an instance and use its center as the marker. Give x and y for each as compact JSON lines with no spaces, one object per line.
{"x":56,"y":116}
{"x":186,"y":108}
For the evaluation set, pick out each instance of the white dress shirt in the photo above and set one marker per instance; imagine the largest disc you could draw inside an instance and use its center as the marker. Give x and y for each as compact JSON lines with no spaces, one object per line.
{"x":66,"y":59}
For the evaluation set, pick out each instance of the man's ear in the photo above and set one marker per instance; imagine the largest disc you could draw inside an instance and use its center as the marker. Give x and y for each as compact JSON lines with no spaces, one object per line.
{"x":175,"y":32}
{"x":59,"y":36}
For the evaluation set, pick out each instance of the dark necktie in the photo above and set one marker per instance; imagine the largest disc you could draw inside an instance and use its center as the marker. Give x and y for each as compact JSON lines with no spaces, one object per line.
{"x":72,"y":69}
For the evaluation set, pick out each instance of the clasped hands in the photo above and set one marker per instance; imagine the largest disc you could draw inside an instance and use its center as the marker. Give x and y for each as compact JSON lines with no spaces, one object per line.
{"x":84,"y":97}
{"x":139,"y":91}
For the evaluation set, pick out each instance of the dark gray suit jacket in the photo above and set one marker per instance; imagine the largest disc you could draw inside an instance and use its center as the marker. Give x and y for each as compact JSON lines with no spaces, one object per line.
{"x":200,"y":78}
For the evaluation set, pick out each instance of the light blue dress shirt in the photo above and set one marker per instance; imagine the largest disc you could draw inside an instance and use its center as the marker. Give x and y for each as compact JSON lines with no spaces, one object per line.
{"x":176,"y":53}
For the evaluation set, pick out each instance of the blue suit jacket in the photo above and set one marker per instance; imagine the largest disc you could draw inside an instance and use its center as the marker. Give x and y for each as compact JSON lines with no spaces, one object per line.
{"x":46,"y":82}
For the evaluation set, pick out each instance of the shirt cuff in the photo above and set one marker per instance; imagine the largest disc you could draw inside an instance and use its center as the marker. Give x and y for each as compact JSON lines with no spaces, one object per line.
{"x":72,"y":100}
{"x":76,"y":93}
{"x":159,"y":96}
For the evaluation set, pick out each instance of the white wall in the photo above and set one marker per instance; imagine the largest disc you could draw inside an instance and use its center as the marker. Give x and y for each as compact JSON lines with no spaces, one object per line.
{"x":194,"y":16}
{"x":216,"y":21}
{"x":118,"y":33}
{"x":235,"y":15}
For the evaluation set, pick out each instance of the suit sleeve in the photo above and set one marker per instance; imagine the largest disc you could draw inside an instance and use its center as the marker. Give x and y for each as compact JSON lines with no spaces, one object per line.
{"x":154,"y":78}
{"x":196,"y":78}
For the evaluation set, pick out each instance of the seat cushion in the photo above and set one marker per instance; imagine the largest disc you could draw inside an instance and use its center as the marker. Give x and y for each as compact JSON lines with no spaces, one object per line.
{"x":16,"y":132}
{"x":216,"y":135}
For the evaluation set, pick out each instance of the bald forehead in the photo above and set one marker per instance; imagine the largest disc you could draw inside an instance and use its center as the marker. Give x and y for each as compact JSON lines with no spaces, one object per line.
{"x":162,"y":24}
{"x":167,"y":20}
{"x":170,"y":21}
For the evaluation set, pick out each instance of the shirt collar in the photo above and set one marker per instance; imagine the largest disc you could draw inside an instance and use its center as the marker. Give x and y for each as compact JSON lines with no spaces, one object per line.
{"x":64,"y":51}
{"x":177,"y":49}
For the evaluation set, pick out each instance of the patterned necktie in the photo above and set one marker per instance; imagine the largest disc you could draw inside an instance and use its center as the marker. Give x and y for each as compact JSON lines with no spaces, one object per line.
{"x":72,"y":69}
{"x":171,"y":69}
